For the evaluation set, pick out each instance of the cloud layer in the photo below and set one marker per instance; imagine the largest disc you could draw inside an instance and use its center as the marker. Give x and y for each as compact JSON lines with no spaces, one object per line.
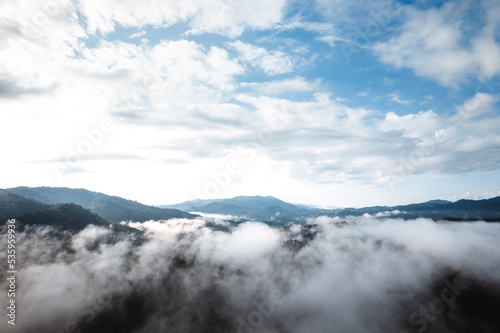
{"x":362,"y":274}
{"x":432,"y":43}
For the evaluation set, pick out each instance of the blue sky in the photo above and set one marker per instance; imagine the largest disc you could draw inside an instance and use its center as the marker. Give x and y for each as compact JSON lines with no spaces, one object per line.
{"x":326,"y":102}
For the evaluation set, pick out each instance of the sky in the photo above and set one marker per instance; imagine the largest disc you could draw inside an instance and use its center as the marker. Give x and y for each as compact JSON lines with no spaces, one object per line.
{"x":326,"y":102}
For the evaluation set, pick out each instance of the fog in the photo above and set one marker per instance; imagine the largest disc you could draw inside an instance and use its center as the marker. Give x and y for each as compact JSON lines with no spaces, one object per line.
{"x":363,"y":274}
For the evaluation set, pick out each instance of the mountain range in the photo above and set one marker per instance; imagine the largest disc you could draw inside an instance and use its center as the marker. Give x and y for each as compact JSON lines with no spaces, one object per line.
{"x":251,"y":207}
{"x":112,"y":208}
{"x":74,"y":209}
{"x":274,"y":210}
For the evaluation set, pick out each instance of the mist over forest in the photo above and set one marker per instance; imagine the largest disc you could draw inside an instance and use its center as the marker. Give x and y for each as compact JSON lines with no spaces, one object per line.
{"x":209,"y":274}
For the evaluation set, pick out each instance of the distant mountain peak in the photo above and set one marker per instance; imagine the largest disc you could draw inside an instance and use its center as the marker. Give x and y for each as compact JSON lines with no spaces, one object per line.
{"x":437,"y":202}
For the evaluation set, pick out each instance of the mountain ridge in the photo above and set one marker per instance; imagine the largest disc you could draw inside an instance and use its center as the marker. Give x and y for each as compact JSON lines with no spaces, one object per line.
{"x":112,"y":208}
{"x":12,"y":205}
{"x":23,"y":200}
{"x":464,"y":209}
{"x":252,"y":207}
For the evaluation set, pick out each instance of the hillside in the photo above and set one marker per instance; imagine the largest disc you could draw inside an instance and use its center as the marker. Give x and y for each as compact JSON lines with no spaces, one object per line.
{"x":12,"y":205}
{"x":111,"y":208}
{"x":487,"y":209}
{"x":74,"y":218}
{"x":66,"y":216}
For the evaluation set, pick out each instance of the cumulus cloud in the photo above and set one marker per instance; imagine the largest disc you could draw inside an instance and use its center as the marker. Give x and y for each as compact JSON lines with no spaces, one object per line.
{"x":480,"y":104}
{"x":34,"y":37}
{"x":179,"y":106}
{"x":397,"y":99}
{"x":123,"y":82}
{"x":271,"y":62}
{"x":447,"y":144}
{"x":229,"y":17}
{"x":332,"y":39}
{"x":138,"y":34}
{"x":435,"y":44}
{"x":362,"y":274}
{"x":348,"y":25}
{"x":412,"y":125}
{"x":294,"y":85}
{"x":323,"y":140}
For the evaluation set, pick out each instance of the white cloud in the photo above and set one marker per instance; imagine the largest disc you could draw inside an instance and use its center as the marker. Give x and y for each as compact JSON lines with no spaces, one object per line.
{"x":331,"y":39}
{"x":480,"y":104}
{"x":138,"y":34}
{"x":412,"y":125}
{"x":323,"y":141}
{"x":391,"y":265}
{"x":143,"y":89}
{"x":355,"y":23}
{"x":432,"y":44}
{"x":182,"y":62}
{"x":166,"y":230}
{"x":33,"y":37}
{"x":298,"y":22}
{"x":364,"y":93}
{"x":271,"y":62}
{"x":397,"y":99}
{"x":227,"y":17}
{"x":427,"y":99}
{"x":247,"y":244}
{"x":485,"y":48}
{"x":294,"y":85}
{"x":232,"y":17}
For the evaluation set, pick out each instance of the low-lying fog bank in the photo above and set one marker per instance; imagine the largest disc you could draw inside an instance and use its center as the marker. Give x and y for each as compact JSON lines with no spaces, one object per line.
{"x":356,"y":275}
